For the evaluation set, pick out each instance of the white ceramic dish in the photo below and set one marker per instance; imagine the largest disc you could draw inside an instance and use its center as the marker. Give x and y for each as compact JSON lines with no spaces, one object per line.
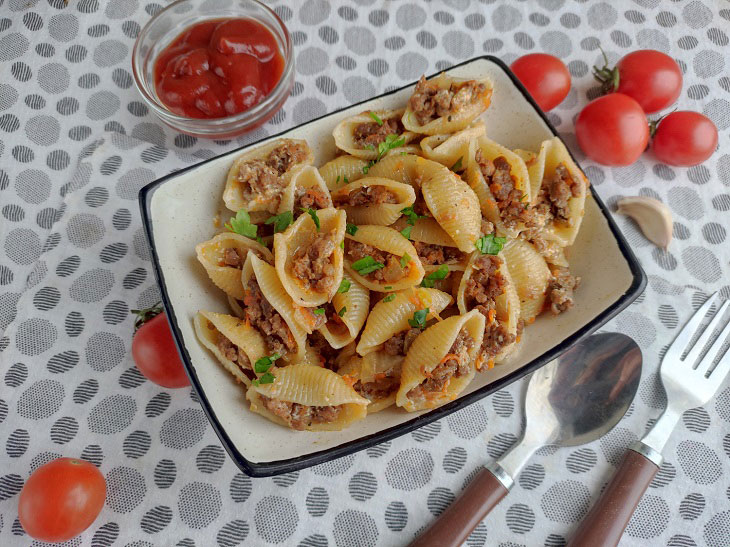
{"x":178,"y":212}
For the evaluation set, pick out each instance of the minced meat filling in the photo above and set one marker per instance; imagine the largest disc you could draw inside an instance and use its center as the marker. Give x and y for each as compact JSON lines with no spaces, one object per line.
{"x":392,"y":271}
{"x":283,"y":157}
{"x":429,"y":101}
{"x":380,"y":388}
{"x":455,"y":366}
{"x":312,"y":265}
{"x":265,"y":318}
{"x":437,"y":254}
{"x":496,"y":336}
{"x":232,"y":258}
{"x":560,"y":289}
{"x":399,"y":344}
{"x":232,"y":352}
{"x":512,"y":202}
{"x":298,"y":416}
{"x":327,"y":353}
{"x":558,"y":190}
{"x":485,"y":283}
{"x":371,"y":133}
{"x":311,"y":198}
{"x":367,"y":195}
{"x":335,"y":324}
{"x":262,"y":178}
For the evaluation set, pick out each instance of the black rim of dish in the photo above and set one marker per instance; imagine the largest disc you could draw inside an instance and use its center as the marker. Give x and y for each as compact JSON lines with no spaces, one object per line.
{"x":278,"y":467}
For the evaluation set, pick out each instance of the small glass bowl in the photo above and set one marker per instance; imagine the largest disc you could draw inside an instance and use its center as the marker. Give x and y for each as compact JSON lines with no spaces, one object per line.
{"x":167,"y":25}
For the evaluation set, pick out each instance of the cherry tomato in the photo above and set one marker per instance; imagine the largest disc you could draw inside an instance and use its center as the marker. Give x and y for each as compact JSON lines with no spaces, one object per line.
{"x":154,"y":350}
{"x":545,"y":77}
{"x":612,"y":130}
{"x":61,"y":499}
{"x":650,"y":77}
{"x":684,"y":139}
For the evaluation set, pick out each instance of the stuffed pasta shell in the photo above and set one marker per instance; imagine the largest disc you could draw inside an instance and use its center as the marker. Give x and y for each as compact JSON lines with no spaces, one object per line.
{"x":529,"y":274}
{"x":434,"y":246}
{"x":381,"y":259}
{"x":345,"y":315}
{"x":376,"y":377}
{"x":270,"y":310}
{"x":223,"y":258}
{"x":501,"y":182}
{"x":452,"y":150}
{"x":361,"y":134}
{"x":235,"y":344}
{"x":374,"y":200}
{"x":487,"y":287}
{"x":308,"y":257}
{"x":342,"y":170}
{"x":445,"y":105}
{"x":452,"y":203}
{"x":258,"y":178}
{"x":306,"y":190}
{"x":441,"y":362}
{"x":399,"y":168}
{"x":306,"y":397}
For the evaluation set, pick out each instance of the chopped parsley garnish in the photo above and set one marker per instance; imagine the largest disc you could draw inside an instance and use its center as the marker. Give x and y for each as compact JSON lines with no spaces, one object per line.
{"x":281,"y":221}
{"x":343,"y":311}
{"x":375,"y":117}
{"x":266,"y":378}
{"x":315,"y":218}
{"x":351,"y":229}
{"x":370,"y":147}
{"x":264,"y":364}
{"x":406,"y":232}
{"x":438,"y":274}
{"x":337,"y":179}
{"x":318,"y":311}
{"x":366,"y":167}
{"x":344,"y":286}
{"x":412,"y":216}
{"x":405,"y":259}
{"x":457,"y":165}
{"x":389,"y":298}
{"x":490,"y":244}
{"x":419,"y":319}
{"x":391,"y":141}
{"x":241,"y":224}
{"x":388,"y":287}
{"x":342,"y":244}
{"x":367,"y":265}
{"x":344,"y":178}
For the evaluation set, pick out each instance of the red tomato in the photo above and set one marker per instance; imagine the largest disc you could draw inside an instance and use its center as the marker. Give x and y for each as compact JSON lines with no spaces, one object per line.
{"x":545,"y":77}
{"x":154,"y":350}
{"x":650,"y":77}
{"x":612,"y":130}
{"x":684,"y":139}
{"x":61,"y":499}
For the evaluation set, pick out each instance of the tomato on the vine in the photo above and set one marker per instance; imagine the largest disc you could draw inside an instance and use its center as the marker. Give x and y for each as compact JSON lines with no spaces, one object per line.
{"x":545,"y":77}
{"x":154,"y":350}
{"x":612,"y":130}
{"x":61,"y":499}
{"x":650,"y":77}
{"x":684,"y":138}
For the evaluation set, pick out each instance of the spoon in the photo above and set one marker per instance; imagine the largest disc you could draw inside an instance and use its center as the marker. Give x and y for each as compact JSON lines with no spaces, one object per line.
{"x":574,"y":399}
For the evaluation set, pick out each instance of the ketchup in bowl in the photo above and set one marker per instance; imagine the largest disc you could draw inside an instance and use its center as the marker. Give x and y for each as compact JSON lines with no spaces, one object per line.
{"x":218,"y":68}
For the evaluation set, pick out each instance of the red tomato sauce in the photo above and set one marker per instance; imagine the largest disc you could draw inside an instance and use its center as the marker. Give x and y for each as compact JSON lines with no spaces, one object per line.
{"x":218,"y":68}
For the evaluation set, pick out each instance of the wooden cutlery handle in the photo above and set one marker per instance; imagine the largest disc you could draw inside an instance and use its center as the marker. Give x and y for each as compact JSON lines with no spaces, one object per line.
{"x":605,"y":523}
{"x":455,"y":524}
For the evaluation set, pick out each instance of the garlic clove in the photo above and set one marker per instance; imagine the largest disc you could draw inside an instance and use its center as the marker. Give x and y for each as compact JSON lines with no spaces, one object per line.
{"x":652,"y":216}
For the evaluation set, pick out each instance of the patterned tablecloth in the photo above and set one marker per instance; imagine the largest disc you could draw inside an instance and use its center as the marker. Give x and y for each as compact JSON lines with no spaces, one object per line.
{"x":76,"y":143}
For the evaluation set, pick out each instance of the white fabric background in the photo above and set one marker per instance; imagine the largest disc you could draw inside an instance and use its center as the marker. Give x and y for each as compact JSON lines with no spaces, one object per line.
{"x":76,"y":143}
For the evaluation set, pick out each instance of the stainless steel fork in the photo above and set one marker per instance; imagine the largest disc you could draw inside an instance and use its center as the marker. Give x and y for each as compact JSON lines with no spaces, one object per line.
{"x":690,"y":381}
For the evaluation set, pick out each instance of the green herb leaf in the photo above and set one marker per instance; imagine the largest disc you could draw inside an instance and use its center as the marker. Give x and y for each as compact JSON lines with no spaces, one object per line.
{"x":367,"y":166}
{"x":318,"y":311}
{"x":342,"y":311}
{"x":388,"y":287}
{"x":344,"y":178}
{"x":457,"y":165}
{"x":281,"y":221}
{"x":435,"y":275}
{"x":390,"y":142}
{"x":342,"y":244}
{"x":351,"y":229}
{"x":389,"y":298}
{"x":315,"y":218}
{"x":406,"y":232}
{"x":337,"y":179}
{"x":266,"y":378}
{"x":405,"y":259}
{"x":375,"y":117}
{"x":241,"y":224}
{"x":263,"y":364}
{"x":419,"y":319}
{"x":367,"y":265}
{"x":490,"y":244}
{"x":344,"y":286}
{"x":412,"y":216}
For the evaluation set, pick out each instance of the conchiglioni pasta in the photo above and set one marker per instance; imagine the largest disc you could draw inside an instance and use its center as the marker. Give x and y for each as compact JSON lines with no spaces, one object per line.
{"x":307,"y":397}
{"x":374,"y":200}
{"x":452,"y":150}
{"x":342,"y":170}
{"x":257,"y":178}
{"x":360,"y":135}
{"x":529,"y":274}
{"x":346,"y":314}
{"x":306,"y":190}
{"x":376,"y":377}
